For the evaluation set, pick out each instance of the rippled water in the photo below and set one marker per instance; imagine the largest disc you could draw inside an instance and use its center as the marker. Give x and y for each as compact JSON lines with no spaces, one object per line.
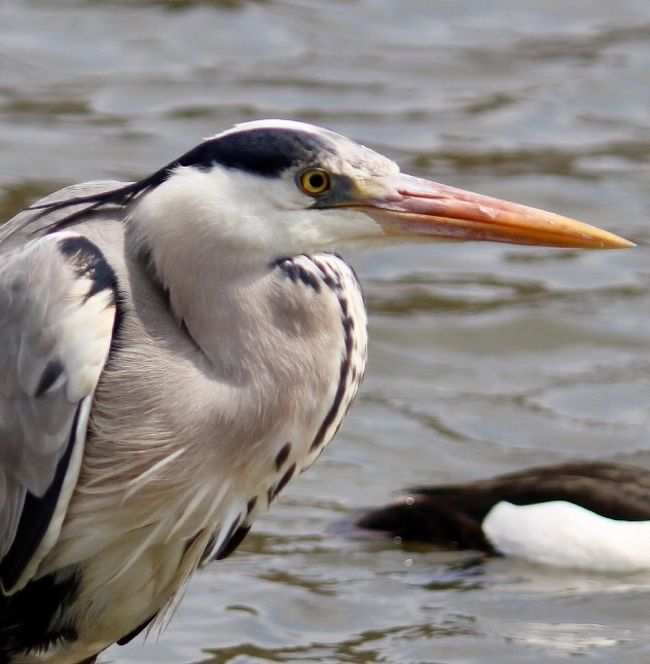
{"x":483,"y":358}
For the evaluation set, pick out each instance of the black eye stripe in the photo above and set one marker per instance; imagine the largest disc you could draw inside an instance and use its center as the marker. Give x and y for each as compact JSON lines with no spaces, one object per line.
{"x":265,"y":151}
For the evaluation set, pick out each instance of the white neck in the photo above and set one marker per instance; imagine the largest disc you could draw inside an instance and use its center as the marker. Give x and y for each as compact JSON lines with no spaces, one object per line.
{"x":199,"y":255}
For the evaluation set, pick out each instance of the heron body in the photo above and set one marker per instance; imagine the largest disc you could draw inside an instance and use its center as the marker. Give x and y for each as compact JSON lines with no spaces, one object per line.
{"x":144,"y":454}
{"x":588,"y":515}
{"x":174,"y":351}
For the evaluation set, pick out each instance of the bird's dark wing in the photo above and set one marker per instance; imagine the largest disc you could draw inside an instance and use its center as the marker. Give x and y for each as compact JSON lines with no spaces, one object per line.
{"x":612,"y":490}
{"x":453,"y":514}
{"x":57,"y":320}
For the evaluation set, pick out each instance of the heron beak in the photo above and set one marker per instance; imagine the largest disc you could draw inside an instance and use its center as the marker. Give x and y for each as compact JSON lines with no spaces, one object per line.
{"x":411,"y":206}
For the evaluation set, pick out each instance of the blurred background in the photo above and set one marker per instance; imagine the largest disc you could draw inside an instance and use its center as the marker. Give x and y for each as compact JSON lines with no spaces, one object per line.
{"x":483,"y":358}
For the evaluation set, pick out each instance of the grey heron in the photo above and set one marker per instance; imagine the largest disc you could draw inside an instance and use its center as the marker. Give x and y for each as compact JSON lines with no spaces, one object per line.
{"x":174,"y":351}
{"x":589,"y":515}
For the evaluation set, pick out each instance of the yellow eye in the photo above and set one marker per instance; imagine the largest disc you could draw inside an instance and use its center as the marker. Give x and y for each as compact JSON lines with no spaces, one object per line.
{"x":315,"y":181}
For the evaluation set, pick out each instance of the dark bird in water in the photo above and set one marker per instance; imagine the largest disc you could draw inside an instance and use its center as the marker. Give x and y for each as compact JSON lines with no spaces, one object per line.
{"x":584,"y":515}
{"x":174,"y":351}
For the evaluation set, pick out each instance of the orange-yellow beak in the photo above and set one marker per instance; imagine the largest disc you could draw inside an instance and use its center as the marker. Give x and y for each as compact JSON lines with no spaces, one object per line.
{"x":405,"y":205}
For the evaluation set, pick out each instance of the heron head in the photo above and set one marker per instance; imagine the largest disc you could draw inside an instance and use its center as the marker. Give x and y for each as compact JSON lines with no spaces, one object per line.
{"x":286,"y":187}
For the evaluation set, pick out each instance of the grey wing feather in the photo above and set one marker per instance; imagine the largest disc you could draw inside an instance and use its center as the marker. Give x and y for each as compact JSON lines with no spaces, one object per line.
{"x":57,"y":317}
{"x":33,"y":221}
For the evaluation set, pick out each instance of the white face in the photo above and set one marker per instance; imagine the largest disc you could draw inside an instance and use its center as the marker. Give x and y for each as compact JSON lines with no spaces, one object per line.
{"x":275,"y":215}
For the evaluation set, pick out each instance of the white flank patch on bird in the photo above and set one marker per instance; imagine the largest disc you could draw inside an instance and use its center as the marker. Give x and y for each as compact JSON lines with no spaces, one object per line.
{"x":566,"y":535}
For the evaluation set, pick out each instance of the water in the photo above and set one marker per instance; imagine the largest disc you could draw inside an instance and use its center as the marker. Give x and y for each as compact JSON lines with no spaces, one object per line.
{"x":483,"y":358}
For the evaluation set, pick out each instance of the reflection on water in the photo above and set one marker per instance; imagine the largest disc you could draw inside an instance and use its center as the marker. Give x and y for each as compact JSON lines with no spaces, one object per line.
{"x":483,"y":358}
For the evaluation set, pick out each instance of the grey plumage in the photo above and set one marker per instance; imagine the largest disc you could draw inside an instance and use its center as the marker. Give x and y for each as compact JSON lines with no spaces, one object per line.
{"x":220,"y":345}
{"x":59,"y":341}
{"x":151,"y":478}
